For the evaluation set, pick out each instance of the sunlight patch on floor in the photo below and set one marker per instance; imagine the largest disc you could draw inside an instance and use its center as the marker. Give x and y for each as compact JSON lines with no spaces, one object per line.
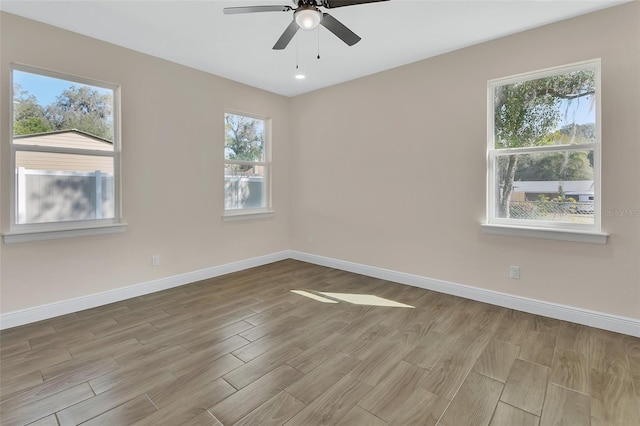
{"x":313,"y":296}
{"x":355,"y":299}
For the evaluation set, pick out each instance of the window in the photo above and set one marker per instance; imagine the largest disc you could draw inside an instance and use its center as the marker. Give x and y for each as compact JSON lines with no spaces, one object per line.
{"x":544,"y":150}
{"x":65,"y":155}
{"x":247,"y":166}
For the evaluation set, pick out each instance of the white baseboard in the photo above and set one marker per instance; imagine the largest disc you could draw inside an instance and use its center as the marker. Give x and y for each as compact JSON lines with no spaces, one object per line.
{"x":601,"y":320}
{"x":38,"y":313}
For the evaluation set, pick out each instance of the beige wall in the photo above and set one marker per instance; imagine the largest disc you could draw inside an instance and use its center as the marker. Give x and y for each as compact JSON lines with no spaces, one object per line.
{"x":395,"y":177}
{"x":172,"y":133}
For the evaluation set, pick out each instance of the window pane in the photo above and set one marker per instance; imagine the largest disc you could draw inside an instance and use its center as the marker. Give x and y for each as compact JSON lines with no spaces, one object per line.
{"x":553,"y":110}
{"x":43,"y":104}
{"x":244,"y":138}
{"x":244,"y":187}
{"x":54,"y":187}
{"x":550,"y":186}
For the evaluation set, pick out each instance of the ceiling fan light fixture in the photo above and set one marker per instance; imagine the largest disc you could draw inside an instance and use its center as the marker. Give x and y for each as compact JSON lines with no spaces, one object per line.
{"x":308,"y":17}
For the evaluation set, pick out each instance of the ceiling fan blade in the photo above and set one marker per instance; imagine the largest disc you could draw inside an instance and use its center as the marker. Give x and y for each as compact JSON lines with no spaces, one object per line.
{"x":253,"y":9}
{"x":330,"y":4}
{"x":338,"y":28}
{"x":286,"y":36}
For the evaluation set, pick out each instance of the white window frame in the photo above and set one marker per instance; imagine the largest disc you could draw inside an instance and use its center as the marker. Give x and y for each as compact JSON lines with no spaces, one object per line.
{"x":576,"y":232}
{"x":245,"y":213}
{"x":18,"y":232}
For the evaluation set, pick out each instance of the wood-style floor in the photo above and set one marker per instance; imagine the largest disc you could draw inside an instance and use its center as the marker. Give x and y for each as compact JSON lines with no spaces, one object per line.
{"x":243,"y":349}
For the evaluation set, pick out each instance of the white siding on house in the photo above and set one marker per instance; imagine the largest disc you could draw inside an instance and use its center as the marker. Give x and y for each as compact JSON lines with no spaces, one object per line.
{"x":33,"y":160}
{"x":69,"y":139}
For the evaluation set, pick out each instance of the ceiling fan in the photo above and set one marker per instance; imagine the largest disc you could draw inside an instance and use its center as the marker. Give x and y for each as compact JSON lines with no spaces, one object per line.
{"x":308,"y":16}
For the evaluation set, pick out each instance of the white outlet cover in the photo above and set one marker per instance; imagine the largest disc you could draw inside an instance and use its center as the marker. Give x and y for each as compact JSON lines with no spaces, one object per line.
{"x":514,"y":272}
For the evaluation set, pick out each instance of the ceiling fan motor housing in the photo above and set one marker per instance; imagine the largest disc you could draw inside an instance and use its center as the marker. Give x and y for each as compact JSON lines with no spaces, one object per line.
{"x":307,"y":16}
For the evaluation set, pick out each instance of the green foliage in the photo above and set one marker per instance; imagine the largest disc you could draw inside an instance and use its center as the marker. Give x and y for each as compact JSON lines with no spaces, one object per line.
{"x":526,"y":113}
{"x":78,"y":107}
{"x":560,"y":166}
{"x":576,"y":133}
{"x":82,"y":108}
{"x":28,"y":115}
{"x":546,"y":205}
{"x":525,"y":116}
{"x":30,"y":126}
{"x":244,"y":138}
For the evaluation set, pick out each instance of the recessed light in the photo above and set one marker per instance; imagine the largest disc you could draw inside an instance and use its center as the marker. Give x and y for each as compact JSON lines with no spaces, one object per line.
{"x":300,"y":76}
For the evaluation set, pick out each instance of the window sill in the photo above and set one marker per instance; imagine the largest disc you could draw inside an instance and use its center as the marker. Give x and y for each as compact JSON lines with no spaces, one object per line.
{"x":55,"y":234}
{"x":233,"y":215}
{"x":546,"y":233}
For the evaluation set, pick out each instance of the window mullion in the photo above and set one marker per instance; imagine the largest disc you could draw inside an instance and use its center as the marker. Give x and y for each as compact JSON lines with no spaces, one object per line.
{"x":544,"y":148}
{"x":59,"y":150}
{"x":246,"y":163}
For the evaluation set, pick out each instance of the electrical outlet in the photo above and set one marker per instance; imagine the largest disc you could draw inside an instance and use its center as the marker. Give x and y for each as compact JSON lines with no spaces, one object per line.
{"x":514,"y":272}
{"x":310,"y":239}
{"x":155,"y":260}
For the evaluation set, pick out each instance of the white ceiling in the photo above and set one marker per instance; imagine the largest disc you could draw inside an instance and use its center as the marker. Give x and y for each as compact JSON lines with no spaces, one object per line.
{"x":238,"y":47}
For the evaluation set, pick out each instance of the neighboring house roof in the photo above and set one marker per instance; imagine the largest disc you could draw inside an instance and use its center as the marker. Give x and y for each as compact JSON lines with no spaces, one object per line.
{"x":551,"y":186}
{"x":66,"y":139}
{"x":75,"y":139}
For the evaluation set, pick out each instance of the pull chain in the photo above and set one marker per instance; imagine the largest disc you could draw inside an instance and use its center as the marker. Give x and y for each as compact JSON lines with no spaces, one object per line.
{"x":297,"y":53}
{"x":318,"y":41}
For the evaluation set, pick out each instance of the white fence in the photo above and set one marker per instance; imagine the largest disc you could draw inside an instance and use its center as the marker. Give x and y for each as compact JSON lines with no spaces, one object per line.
{"x":54,"y":196}
{"x":244,"y":192}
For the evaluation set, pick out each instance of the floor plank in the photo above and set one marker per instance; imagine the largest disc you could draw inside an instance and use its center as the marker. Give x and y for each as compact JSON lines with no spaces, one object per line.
{"x":446,"y":377}
{"x":429,"y":349}
{"x":315,"y":383}
{"x":14,"y":385}
{"x":112,"y":398}
{"x":46,"y":421}
{"x":563,"y":406}
{"x":277,"y":411}
{"x":333,"y":404}
{"x":361,"y":417}
{"x":308,"y":360}
{"x":421,"y":408}
{"x":44,"y":407}
{"x":387,"y":396}
{"x":199,"y":378}
{"x":526,"y":386}
{"x":507,"y":415}
{"x":242,"y":402}
{"x":205,"y":418}
{"x":125,"y":414}
{"x":538,"y":348}
{"x":608,"y":354}
{"x":474,"y":403}
{"x":613,"y":399}
{"x":185,"y":408}
{"x":496,"y":360}
{"x":571,"y":370}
